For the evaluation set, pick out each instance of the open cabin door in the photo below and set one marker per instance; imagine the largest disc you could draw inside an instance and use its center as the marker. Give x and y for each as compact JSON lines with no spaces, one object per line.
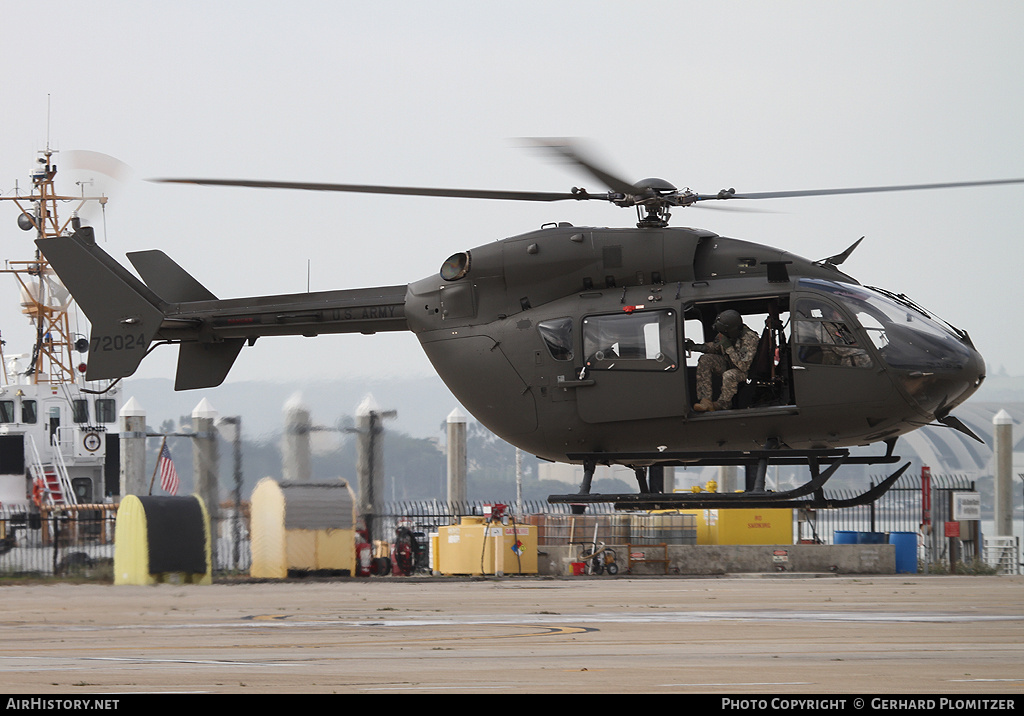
{"x":768,"y":383}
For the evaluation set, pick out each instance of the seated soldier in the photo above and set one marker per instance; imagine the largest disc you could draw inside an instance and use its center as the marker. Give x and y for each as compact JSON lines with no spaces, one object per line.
{"x":729,"y":356}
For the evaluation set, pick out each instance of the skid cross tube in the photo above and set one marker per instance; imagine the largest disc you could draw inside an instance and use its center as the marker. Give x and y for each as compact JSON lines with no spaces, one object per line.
{"x":756,"y":461}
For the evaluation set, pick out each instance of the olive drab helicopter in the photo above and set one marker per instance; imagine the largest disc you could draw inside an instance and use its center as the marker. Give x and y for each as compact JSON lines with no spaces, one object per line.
{"x":576,"y":343}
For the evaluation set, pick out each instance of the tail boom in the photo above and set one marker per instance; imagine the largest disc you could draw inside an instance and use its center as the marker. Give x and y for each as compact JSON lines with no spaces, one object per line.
{"x":359,"y":310}
{"x":127,"y":315}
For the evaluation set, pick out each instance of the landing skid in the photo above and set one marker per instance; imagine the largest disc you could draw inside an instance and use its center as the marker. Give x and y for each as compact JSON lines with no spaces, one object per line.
{"x":755,"y":496}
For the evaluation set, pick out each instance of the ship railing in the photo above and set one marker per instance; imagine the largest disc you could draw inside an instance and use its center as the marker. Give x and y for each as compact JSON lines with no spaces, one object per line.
{"x":70,"y":497}
{"x":35,"y":465}
{"x":37,"y":471}
{"x":64,"y":440}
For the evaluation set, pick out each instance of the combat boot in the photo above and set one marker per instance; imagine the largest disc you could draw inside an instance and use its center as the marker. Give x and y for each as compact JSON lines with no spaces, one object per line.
{"x":704,"y":406}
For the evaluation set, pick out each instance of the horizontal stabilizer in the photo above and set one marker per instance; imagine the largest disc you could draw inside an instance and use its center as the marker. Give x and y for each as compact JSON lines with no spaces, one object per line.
{"x":125,"y":314}
{"x":167,"y":279}
{"x":205,"y":365}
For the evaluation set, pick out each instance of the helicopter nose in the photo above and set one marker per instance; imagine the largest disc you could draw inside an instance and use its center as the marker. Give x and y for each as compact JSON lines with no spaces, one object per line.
{"x":945,"y":385}
{"x":972,"y":374}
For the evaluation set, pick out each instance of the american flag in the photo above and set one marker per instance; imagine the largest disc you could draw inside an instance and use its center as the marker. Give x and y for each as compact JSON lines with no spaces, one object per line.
{"x":168,"y":475}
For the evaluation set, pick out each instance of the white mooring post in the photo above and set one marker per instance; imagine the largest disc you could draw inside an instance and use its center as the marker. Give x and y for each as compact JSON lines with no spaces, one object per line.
{"x":296,"y":453}
{"x":133,"y":450}
{"x":456,"y":456}
{"x":370,"y":462}
{"x":204,"y":465}
{"x":1002,"y":551}
{"x":1002,"y":464}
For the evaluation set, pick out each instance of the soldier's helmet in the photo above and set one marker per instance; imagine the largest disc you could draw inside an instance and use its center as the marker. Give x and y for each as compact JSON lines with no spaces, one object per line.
{"x":729,"y":323}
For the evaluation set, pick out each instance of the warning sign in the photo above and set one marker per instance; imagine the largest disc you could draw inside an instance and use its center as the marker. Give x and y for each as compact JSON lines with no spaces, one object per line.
{"x":966,"y":506}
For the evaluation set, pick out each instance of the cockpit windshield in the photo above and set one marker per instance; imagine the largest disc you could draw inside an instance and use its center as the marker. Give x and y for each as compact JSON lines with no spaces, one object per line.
{"x":905,"y":336}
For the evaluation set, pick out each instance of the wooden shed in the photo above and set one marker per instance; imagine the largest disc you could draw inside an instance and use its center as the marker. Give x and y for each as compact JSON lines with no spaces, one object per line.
{"x":308,"y":526}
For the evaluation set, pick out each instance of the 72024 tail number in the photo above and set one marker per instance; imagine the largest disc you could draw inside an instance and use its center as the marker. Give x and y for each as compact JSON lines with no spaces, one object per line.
{"x":117,"y":343}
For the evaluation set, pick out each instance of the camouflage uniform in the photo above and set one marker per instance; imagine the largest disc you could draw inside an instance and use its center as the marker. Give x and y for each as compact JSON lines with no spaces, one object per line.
{"x":731,"y":363}
{"x":829,"y":343}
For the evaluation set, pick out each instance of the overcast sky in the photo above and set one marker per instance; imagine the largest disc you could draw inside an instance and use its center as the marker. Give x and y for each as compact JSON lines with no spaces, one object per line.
{"x":752,"y":95}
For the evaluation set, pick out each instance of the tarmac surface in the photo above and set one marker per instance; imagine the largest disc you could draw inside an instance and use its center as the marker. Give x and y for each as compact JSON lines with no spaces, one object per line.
{"x":742,"y":634}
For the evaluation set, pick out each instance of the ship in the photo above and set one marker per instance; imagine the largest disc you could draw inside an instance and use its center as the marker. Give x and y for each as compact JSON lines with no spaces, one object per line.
{"x":58,"y":432}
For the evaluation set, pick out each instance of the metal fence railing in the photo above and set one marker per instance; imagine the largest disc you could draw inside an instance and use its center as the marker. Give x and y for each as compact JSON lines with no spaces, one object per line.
{"x":1001,"y":553}
{"x":69,"y":540}
{"x":900,"y":509}
{"x":62,"y":541}
{"x":78,"y":540}
{"x":906,"y":507}
{"x":555,"y":524}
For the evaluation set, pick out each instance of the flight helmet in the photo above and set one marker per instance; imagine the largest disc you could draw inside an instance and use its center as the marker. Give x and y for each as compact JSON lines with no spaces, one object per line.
{"x":729,"y":323}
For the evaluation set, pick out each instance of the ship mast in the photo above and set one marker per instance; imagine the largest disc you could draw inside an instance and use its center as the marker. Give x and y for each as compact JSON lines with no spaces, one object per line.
{"x":44,"y":299}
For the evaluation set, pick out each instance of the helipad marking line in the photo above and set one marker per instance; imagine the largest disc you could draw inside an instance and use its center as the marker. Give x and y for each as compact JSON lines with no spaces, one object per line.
{"x":677,"y":617}
{"x":282,"y":621}
{"x":434,"y":687}
{"x":748,"y":683}
{"x":544,"y":631}
{"x":547,"y":630}
{"x":207,"y":662}
{"x":1012,"y":681}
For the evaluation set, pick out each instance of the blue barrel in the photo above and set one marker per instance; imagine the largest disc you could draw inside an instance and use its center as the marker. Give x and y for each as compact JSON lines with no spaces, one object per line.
{"x":906,"y":551}
{"x":872,"y":538}
{"x":844,"y":537}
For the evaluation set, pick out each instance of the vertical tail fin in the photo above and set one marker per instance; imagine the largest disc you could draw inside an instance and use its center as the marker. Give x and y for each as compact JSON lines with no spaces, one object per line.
{"x":200,"y":364}
{"x":167,"y":279}
{"x":124,"y":312}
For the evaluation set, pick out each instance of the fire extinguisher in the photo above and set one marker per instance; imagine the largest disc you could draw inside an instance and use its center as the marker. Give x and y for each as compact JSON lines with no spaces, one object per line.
{"x":364,"y":555}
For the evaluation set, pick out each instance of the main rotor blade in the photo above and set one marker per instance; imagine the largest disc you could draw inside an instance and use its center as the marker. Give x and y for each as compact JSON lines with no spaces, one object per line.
{"x":376,"y":189}
{"x":567,"y":150}
{"x":854,"y":190}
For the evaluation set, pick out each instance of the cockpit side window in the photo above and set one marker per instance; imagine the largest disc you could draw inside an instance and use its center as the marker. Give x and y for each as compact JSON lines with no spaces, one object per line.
{"x":823,"y":337}
{"x":905,"y":336}
{"x":645,"y":340}
{"x":557,"y":336}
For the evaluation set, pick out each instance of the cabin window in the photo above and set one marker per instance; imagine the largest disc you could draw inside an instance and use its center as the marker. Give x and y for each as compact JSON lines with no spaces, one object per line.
{"x":643,"y":340}
{"x":105,"y":412}
{"x":557,"y":335}
{"x":80,"y":411}
{"x":6,"y":411}
{"x":823,"y":337}
{"x":28,"y":411}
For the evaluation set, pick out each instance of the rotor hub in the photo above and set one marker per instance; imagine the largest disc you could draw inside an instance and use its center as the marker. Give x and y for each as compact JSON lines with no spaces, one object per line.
{"x":656,"y":186}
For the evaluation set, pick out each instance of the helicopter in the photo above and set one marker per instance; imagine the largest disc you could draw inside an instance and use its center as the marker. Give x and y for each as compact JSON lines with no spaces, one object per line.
{"x":577,"y":344}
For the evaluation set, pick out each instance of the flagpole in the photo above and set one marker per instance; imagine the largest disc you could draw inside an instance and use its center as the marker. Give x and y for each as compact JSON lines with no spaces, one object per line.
{"x":157,"y":466}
